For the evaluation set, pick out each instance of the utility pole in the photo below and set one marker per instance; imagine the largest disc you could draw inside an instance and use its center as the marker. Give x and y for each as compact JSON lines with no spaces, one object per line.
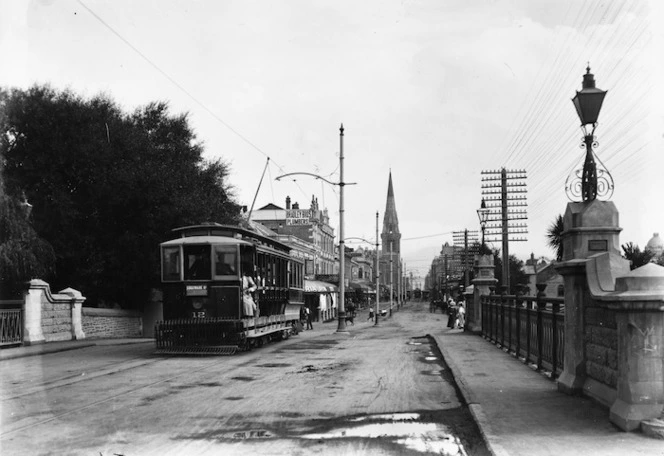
{"x":377,"y":272}
{"x":468,"y":242}
{"x":505,"y":194}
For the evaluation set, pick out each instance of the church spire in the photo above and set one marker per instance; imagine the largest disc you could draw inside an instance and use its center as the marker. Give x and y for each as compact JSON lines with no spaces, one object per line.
{"x":391,"y":234}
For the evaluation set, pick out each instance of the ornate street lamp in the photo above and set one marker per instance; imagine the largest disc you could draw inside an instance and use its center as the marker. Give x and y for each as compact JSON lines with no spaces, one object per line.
{"x":483,"y":215}
{"x":593,"y":182}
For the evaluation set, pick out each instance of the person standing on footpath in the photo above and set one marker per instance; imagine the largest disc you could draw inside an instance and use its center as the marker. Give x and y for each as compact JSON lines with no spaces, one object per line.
{"x":451,"y":313}
{"x":309,"y":318}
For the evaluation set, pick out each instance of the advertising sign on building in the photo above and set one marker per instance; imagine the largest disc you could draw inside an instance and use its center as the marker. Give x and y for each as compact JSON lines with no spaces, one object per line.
{"x":298,"y":217}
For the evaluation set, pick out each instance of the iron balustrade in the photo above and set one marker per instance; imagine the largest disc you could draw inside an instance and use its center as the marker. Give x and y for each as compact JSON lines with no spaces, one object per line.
{"x":532,"y":328}
{"x":11,"y":322}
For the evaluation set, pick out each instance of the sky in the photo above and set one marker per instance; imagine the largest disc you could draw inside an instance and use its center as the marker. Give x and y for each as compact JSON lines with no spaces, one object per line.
{"x":433,"y":91}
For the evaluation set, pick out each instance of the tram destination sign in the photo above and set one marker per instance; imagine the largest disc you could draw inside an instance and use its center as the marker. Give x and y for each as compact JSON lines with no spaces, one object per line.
{"x":196,"y":290}
{"x":298,"y":217}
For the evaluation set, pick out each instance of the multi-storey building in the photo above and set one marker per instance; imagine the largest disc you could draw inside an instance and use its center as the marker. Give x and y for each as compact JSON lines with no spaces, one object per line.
{"x":311,"y":225}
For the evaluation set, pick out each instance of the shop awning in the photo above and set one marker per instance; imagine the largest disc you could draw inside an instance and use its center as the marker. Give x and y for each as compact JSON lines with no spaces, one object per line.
{"x":363,"y":287}
{"x":316,"y":286}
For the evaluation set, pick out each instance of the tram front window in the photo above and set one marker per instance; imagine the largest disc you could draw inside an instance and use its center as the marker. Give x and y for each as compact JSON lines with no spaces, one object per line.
{"x":197,"y":262}
{"x":225,"y":260}
{"x":171,"y":263}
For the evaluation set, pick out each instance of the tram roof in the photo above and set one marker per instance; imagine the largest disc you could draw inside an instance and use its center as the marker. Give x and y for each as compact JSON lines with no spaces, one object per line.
{"x":216,"y":240}
{"x":234,"y":234}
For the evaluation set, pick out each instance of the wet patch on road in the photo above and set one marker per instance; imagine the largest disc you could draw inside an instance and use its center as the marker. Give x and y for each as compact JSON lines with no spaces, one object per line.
{"x":274,"y":365}
{"x":310,"y":368}
{"x":412,"y":432}
{"x":210,"y":384}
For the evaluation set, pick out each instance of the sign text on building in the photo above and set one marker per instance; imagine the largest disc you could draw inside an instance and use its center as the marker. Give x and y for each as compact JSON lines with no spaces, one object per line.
{"x":298,"y":216}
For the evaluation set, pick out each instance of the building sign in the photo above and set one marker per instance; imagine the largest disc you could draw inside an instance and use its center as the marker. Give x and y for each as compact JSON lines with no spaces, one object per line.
{"x":197,"y":290}
{"x":298,"y":216}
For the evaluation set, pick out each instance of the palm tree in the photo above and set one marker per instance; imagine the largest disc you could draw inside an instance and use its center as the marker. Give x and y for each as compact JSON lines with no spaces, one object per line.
{"x":555,"y":236}
{"x":636,"y":257}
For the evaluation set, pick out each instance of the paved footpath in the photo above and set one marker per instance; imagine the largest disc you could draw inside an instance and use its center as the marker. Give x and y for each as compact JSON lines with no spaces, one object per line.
{"x":521,"y":412}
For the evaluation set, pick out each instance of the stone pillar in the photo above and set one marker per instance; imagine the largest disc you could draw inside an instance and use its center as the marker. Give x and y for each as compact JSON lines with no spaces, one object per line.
{"x":32,"y":325}
{"x":482,"y":283}
{"x":76,"y":318}
{"x":590,"y":228}
{"x":639,"y":304}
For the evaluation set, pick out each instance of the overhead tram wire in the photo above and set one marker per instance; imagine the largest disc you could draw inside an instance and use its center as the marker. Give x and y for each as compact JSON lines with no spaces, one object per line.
{"x":179,"y":86}
{"x":533,"y":119}
{"x":524,"y":127}
{"x":521,"y":111}
{"x":553,"y":102}
{"x":556,"y":85}
{"x":620,"y":114}
{"x":543,"y":163}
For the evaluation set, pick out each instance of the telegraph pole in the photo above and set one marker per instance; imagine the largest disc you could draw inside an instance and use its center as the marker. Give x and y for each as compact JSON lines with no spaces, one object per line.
{"x":505,"y":194}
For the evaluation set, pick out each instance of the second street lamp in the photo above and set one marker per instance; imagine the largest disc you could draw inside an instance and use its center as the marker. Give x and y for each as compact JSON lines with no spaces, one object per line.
{"x":483,"y":215}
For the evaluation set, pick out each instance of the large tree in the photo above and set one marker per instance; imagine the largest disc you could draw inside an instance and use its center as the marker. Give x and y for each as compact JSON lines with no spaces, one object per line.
{"x":106,"y":186}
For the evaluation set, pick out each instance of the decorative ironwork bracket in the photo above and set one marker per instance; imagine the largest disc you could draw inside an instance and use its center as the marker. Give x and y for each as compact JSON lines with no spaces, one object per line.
{"x":593,"y":180}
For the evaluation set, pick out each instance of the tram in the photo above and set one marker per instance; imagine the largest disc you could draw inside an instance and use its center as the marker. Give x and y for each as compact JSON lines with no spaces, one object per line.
{"x":201,"y":273}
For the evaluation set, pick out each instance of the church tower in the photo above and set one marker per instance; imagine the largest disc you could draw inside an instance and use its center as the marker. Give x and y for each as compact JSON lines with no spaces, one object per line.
{"x":391,"y":240}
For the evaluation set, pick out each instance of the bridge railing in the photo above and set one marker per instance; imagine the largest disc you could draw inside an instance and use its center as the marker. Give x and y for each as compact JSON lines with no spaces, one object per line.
{"x":532,"y":328}
{"x":11,"y":322}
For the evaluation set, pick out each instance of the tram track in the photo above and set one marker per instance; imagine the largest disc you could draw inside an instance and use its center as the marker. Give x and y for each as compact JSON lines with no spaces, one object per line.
{"x":229,"y":369}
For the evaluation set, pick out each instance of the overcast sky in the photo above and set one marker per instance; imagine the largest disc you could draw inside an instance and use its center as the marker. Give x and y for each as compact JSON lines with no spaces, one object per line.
{"x":435,"y":90}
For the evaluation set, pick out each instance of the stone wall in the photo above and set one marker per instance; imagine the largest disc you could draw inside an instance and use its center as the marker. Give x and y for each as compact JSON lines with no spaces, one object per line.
{"x":601,"y":344}
{"x":56,"y":320}
{"x":111,"y":323}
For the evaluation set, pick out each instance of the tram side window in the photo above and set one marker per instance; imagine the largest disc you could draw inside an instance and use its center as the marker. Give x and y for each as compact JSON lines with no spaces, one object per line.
{"x":225,"y":257}
{"x":170,"y":263}
{"x":197,"y":262}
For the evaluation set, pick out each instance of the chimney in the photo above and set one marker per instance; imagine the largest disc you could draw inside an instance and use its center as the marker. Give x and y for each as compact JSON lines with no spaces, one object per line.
{"x":296,"y":205}
{"x":288,"y":202}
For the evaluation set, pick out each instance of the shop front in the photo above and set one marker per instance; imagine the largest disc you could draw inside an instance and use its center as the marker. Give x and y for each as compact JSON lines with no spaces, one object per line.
{"x":322,"y":299}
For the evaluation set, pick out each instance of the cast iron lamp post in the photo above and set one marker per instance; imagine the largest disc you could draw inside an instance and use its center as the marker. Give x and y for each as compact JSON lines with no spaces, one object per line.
{"x":341,"y":328}
{"x":483,"y":215}
{"x":588,"y":103}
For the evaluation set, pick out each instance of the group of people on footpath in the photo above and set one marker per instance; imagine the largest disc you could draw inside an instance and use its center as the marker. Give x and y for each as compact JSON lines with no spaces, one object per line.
{"x":456,"y":314}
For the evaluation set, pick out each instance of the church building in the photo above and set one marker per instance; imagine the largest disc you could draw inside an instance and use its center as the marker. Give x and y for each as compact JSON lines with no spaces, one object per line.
{"x":390,"y":255}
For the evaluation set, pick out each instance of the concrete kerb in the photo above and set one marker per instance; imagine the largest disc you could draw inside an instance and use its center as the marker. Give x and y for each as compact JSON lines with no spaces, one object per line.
{"x":489,"y":437}
{"x":56,"y":347}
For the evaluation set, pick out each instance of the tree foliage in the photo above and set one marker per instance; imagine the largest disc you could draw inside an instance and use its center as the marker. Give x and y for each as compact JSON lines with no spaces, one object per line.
{"x":517,"y":274}
{"x":554,"y":235}
{"x":636,"y":257}
{"x":106,"y":186}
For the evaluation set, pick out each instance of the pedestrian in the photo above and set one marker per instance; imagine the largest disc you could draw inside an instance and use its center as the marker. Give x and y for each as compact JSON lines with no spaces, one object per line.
{"x":451,"y":313}
{"x":461,"y":316}
{"x":371,"y":314}
{"x":309,"y":318}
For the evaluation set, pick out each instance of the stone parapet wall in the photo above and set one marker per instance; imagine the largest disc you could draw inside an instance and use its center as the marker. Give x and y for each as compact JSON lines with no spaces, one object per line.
{"x":56,"y":321}
{"x":51,"y":317}
{"x":111,"y":323}
{"x":601,"y":344}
